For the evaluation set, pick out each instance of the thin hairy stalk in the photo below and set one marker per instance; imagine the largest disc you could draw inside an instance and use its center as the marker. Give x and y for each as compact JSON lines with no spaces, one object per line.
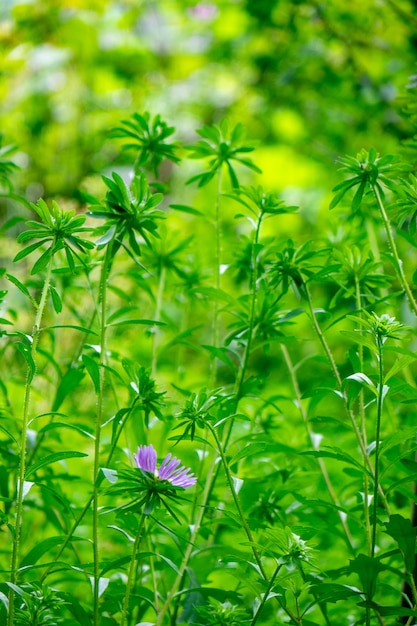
{"x":253,"y":283}
{"x":299,"y":612}
{"x":310,"y":433}
{"x":336,"y":373}
{"x":132,"y":568}
{"x":105,"y":270}
{"x":391,"y":241}
{"x":157,"y":317}
{"x":413,"y":587}
{"x":358,"y":302}
{"x":218,"y":256}
{"x":23,"y":437}
{"x":153,"y":574}
{"x":242,"y":516}
{"x":236,"y":499}
{"x":265,"y":595}
{"x":380,"y":400}
{"x":412,"y":583}
{"x":322,"y":340}
{"x":240,"y":379}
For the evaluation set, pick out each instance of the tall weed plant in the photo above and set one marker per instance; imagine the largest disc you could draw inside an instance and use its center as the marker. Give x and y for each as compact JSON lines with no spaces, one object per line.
{"x":203,"y":421}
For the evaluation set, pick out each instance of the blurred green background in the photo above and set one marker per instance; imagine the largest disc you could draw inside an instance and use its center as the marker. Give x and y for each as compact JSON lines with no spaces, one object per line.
{"x":310,"y":80}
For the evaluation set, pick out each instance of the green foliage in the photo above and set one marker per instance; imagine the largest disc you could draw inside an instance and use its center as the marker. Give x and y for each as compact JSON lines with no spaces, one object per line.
{"x":148,"y":139}
{"x":128,"y":210}
{"x":221,"y":146}
{"x":60,"y":229}
{"x":269,"y":347}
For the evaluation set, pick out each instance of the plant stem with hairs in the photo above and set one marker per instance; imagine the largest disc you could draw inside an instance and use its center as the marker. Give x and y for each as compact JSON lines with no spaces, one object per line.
{"x":132,"y":567}
{"x":31,"y":371}
{"x":265,"y":595}
{"x":338,"y":377}
{"x":358,"y":302}
{"x":217,"y":270}
{"x":105,"y":270}
{"x":310,"y":433}
{"x":380,"y":400}
{"x":157,"y":315}
{"x":391,"y":241}
{"x":242,"y":516}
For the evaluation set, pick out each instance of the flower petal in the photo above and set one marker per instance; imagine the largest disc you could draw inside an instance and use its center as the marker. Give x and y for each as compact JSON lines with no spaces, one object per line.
{"x":166,"y":469}
{"x":184,"y":479}
{"x":146,"y":458}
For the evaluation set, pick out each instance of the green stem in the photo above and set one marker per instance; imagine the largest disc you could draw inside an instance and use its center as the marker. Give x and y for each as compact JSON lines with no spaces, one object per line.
{"x":213,"y":470}
{"x":414,"y":592}
{"x":265,"y":596}
{"x":380,"y":400}
{"x":23,"y":437}
{"x":132,"y":568}
{"x":218,"y":256}
{"x":236,"y":499}
{"x":157,"y":317}
{"x":322,"y":339}
{"x":240,"y":379}
{"x":241,"y":513}
{"x":321,"y":463}
{"x":99,"y":418}
{"x":254,"y":279}
{"x":336,"y":373}
{"x":391,"y":241}
{"x":358,"y":302}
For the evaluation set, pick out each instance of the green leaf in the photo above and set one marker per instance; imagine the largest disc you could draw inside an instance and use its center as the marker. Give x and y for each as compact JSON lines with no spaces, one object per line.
{"x":214,"y":294}
{"x":396,"y":611}
{"x":335,"y":453}
{"x":68,"y":383}
{"x":364,"y":380}
{"x":93,"y":369}
{"x":404,"y":534}
{"x":249,"y":450}
{"x":59,"y":425}
{"x":56,"y":299}
{"x":108,"y":236}
{"x":26,"y":352}
{"x":411,"y":466}
{"x":367,"y":569}
{"x":222,"y":354}
{"x":145,"y":322}
{"x":110,"y":475}
{"x":20,"y":286}
{"x":78,"y":612}
{"x":21,"y":255}
{"x":398,"y":438}
{"x":43,"y":547}
{"x":357,"y":198}
{"x":400,"y":364}
{"x":362,"y":340}
{"x":186,"y":209}
{"x":80,"y":328}
{"x":42,"y":262}
{"x":53,"y":458}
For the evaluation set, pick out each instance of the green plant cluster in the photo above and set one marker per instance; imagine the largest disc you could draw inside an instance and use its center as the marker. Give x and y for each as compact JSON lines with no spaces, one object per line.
{"x":282,"y":372}
{"x":207,"y":392}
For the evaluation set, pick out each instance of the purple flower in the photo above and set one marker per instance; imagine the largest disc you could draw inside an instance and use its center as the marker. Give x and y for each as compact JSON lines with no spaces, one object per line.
{"x":178,"y":476}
